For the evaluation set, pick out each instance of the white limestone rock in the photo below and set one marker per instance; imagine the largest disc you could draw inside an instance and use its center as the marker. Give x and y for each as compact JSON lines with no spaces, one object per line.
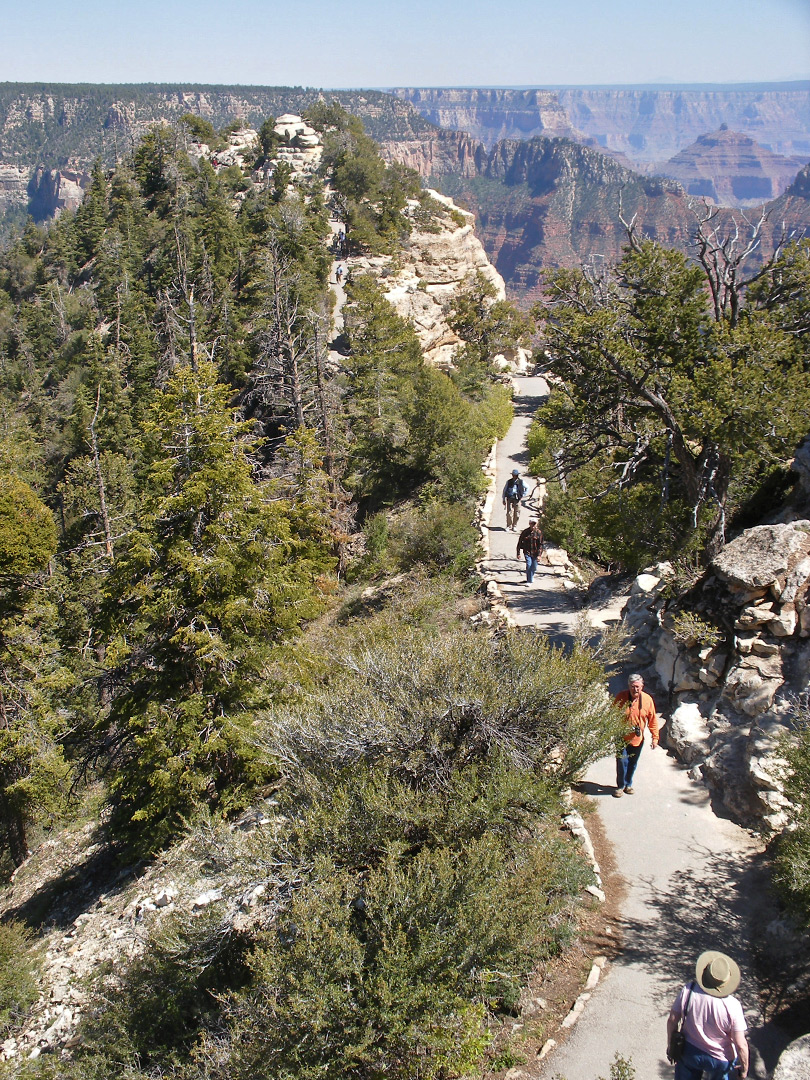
{"x":688,"y":733}
{"x":763,"y":555}
{"x":755,"y":615}
{"x":685,"y":675}
{"x":666,"y":658}
{"x":210,"y":896}
{"x":785,"y":622}
{"x":794,"y":1061}
{"x":752,"y":685}
{"x":646,"y":583}
{"x":764,"y":648}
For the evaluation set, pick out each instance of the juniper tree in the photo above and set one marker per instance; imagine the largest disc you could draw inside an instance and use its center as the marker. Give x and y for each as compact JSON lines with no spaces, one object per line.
{"x":656,"y":394}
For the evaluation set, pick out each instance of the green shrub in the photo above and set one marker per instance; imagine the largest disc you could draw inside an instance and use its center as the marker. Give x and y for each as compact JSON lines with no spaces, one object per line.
{"x":414,"y":874}
{"x":690,"y":629}
{"x":18,"y":978}
{"x":792,"y":848}
{"x":440,"y":536}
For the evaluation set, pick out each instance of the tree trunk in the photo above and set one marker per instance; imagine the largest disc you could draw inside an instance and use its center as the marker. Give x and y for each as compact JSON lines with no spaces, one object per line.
{"x":13,"y":825}
{"x":102,"y":498}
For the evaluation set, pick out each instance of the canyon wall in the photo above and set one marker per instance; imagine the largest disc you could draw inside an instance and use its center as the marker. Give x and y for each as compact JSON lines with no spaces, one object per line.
{"x":647,"y":124}
{"x":544,"y":203}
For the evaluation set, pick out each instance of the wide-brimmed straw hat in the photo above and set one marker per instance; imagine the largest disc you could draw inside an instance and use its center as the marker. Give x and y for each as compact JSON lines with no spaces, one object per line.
{"x":717,"y":973}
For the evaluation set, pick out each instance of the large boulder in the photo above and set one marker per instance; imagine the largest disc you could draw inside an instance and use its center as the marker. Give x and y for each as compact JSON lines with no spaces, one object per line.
{"x":794,"y":1061}
{"x":763,"y":556}
{"x":751,"y":686}
{"x":688,"y":733}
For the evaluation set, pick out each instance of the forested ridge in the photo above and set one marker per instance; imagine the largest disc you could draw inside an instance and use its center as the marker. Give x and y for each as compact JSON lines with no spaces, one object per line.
{"x":194,"y":492}
{"x":60,"y":124}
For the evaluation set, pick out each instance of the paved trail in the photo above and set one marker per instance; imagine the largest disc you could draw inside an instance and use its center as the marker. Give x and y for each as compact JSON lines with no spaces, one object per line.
{"x":692,"y":878}
{"x":551,"y":600}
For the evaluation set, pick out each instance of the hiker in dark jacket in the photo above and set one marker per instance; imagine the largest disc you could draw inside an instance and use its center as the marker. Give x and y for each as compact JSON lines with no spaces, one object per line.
{"x":530,"y":542}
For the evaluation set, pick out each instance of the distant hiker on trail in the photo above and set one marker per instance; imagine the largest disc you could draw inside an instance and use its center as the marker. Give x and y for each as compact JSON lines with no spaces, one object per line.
{"x":639,"y":714}
{"x":713,"y":1024}
{"x":513,"y":491}
{"x":530,"y":542}
{"x":338,"y":274}
{"x":538,"y":490}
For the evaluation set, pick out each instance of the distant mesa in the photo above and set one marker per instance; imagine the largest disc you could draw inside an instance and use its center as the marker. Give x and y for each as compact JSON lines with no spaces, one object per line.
{"x":731,"y":169}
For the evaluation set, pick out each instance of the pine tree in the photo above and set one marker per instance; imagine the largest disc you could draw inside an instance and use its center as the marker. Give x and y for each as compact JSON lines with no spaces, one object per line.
{"x":31,"y":764}
{"x":205,"y":585}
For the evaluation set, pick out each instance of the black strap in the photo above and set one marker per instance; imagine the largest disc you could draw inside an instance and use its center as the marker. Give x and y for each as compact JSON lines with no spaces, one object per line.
{"x":686,"y":1006}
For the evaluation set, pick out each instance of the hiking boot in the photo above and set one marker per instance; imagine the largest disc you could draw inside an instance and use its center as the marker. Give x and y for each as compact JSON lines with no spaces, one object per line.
{"x":628,"y":791}
{"x":617,"y":794}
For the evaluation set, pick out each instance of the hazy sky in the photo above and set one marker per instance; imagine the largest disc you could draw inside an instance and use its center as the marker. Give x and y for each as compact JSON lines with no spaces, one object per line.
{"x":375,"y":43}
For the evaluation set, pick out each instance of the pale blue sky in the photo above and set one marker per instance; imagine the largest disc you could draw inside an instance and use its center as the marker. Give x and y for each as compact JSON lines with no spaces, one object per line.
{"x":350,"y":43}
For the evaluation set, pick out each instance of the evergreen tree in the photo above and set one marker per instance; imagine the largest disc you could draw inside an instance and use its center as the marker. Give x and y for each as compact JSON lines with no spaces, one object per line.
{"x":660,"y":397}
{"x":207,"y":582}
{"x":31,"y":764}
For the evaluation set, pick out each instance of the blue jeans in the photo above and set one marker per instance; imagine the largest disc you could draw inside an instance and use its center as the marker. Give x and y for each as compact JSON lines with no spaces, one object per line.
{"x":531,"y":566}
{"x":695,"y":1063}
{"x":626,"y":763}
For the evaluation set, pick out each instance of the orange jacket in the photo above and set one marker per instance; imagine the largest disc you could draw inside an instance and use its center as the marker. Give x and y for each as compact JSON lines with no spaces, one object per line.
{"x":639,"y":713}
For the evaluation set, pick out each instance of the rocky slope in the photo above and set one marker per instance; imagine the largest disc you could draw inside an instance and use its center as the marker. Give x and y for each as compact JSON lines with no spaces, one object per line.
{"x":731,"y":169}
{"x":647,"y":124}
{"x":421,"y":280}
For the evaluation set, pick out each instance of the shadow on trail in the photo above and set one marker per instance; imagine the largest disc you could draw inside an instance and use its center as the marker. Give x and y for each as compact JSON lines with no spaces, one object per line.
{"x":590,"y":787}
{"x":722,"y":906}
{"x":527,"y":404}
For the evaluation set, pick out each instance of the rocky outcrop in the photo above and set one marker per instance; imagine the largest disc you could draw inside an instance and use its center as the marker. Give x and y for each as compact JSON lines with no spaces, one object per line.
{"x":45,"y":192}
{"x":434,"y":264}
{"x":92,"y":920}
{"x":731,"y":169}
{"x":13,"y":186}
{"x":61,"y":128}
{"x":551,"y":202}
{"x":732,"y":654}
{"x":50,"y":191}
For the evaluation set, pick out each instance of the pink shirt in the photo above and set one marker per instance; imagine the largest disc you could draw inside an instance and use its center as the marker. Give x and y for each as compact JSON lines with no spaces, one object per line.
{"x":710,"y":1021}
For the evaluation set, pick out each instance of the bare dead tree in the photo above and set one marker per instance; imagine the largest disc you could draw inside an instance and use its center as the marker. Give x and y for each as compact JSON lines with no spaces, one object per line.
{"x":102,"y":496}
{"x":723,"y":246}
{"x":282,"y":386}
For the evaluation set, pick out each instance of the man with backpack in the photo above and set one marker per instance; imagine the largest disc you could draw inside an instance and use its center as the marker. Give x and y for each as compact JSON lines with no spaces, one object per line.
{"x":513,"y":492}
{"x":530,"y":542}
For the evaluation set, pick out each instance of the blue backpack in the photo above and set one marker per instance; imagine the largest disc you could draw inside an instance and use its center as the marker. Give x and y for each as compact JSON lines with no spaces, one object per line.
{"x":515,"y":488}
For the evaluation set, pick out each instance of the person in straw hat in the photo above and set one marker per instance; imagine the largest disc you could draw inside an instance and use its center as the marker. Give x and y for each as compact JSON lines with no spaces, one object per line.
{"x":713,"y":1021}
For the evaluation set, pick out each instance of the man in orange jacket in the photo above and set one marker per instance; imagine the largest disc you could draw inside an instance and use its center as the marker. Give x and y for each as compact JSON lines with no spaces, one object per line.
{"x":639,"y":714}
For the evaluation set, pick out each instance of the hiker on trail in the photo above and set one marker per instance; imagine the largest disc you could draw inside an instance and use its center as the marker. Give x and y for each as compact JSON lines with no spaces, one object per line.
{"x":338,"y":274}
{"x":513,"y":491}
{"x":530,"y":542}
{"x":639,"y":714}
{"x":713,"y":1022}
{"x":538,"y":490}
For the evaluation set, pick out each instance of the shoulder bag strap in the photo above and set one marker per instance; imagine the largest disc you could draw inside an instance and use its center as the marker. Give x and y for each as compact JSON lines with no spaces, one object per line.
{"x":686,"y":1006}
